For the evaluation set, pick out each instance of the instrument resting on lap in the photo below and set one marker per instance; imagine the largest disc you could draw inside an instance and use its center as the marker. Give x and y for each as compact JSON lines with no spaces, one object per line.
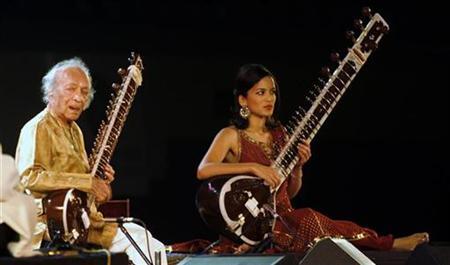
{"x":242,"y":207}
{"x":68,"y":210}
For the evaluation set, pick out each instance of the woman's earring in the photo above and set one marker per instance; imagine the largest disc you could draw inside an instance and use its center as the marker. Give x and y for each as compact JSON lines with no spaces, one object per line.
{"x":244,"y":112}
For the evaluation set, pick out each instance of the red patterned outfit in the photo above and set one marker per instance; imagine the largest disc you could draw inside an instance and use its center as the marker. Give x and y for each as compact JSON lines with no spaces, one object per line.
{"x":305,"y":224}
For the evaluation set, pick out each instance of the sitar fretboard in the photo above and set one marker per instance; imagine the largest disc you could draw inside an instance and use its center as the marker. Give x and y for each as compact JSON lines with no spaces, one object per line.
{"x":117,"y":111}
{"x":307,"y":123}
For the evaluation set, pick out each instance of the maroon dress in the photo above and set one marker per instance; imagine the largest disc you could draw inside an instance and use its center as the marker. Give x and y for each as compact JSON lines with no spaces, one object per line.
{"x":305,"y":224}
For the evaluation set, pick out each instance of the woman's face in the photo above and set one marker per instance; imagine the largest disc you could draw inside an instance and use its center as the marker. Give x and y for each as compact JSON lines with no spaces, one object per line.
{"x":261,"y":98}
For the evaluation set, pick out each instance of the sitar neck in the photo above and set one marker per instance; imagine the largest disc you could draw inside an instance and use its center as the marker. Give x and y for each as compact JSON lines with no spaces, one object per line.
{"x":306,"y":124}
{"x":117,"y":112}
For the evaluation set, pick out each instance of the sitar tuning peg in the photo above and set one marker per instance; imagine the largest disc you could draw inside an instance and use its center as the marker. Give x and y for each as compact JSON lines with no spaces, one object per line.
{"x":132,"y":57}
{"x":313,"y":93}
{"x":122,"y":72}
{"x":335,"y":57}
{"x":366,"y":12}
{"x":325,"y":71}
{"x":115,"y":87}
{"x":350,"y":35}
{"x":317,"y":88}
{"x":358,"y":24}
{"x":322,"y":82}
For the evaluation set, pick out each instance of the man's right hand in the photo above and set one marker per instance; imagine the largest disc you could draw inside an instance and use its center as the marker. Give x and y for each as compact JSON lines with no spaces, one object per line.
{"x":101,"y":190}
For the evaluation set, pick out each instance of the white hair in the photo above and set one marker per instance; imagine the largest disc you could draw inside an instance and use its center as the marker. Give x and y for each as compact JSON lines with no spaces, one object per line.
{"x":48,"y":81}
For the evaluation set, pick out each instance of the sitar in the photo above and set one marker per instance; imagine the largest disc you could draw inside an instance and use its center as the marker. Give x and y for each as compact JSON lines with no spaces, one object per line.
{"x":242,"y":207}
{"x":68,"y":210}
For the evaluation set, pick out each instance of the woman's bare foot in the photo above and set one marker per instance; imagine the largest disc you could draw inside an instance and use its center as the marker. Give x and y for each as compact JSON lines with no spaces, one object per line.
{"x":409,"y":243}
{"x":243,"y":248}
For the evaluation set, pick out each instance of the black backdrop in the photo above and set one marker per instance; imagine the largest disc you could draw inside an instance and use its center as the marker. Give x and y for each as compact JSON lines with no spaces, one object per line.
{"x":379,"y":160}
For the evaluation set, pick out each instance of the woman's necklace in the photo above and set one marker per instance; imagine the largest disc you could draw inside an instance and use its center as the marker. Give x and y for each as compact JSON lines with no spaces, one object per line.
{"x":267,"y":147}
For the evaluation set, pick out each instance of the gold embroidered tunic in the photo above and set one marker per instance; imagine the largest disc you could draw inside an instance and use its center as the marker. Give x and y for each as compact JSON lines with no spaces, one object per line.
{"x":51,"y":156}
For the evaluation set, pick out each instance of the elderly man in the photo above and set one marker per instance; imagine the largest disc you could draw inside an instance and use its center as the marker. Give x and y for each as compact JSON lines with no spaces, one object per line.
{"x":51,"y":156}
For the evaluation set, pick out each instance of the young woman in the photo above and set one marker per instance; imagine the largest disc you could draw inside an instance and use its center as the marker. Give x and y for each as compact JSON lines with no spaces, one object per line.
{"x":247,"y":147}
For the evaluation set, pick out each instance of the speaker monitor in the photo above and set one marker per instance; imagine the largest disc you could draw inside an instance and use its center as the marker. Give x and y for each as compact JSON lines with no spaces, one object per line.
{"x":287,"y":259}
{"x":336,"y":252}
{"x":430,"y":255}
{"x":7,"y":235}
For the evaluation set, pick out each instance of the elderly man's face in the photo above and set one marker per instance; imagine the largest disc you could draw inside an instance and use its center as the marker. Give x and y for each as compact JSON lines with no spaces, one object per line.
{"x":70,"y":94}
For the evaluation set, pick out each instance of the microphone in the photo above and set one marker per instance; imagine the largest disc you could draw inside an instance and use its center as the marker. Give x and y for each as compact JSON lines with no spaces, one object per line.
{"x":122,"y":220}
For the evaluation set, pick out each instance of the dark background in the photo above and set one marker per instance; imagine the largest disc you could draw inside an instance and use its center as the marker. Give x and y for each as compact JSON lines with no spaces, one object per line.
{"x":380,"y":159}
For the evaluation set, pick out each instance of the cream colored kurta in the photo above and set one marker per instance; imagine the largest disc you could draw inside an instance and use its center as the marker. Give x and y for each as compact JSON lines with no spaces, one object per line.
{"x":51,"y":156}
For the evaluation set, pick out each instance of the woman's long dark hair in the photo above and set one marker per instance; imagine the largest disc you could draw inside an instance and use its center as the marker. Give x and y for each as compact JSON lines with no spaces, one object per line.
{"x":248,"y":75}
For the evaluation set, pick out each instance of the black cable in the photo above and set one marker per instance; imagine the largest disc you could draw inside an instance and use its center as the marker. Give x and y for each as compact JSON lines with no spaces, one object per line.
{"x":147,"y":240}
{"x":135,"y":245}
{"x":210,"y":246}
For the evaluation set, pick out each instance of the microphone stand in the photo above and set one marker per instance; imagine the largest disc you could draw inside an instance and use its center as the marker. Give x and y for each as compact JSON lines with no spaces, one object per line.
{"x":135,"y":245}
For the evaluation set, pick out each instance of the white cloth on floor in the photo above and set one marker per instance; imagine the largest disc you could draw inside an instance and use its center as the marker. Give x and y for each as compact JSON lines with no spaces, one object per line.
{"x":17,"y":210}
{"x":121,"y":243}
{"x":8,"y":177}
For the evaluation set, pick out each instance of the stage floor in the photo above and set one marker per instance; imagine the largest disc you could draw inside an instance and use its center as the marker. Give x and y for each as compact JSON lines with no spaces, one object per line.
{"x":378,"y":257}
{"x":422,"y":255}
{"x":425,"y":254}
